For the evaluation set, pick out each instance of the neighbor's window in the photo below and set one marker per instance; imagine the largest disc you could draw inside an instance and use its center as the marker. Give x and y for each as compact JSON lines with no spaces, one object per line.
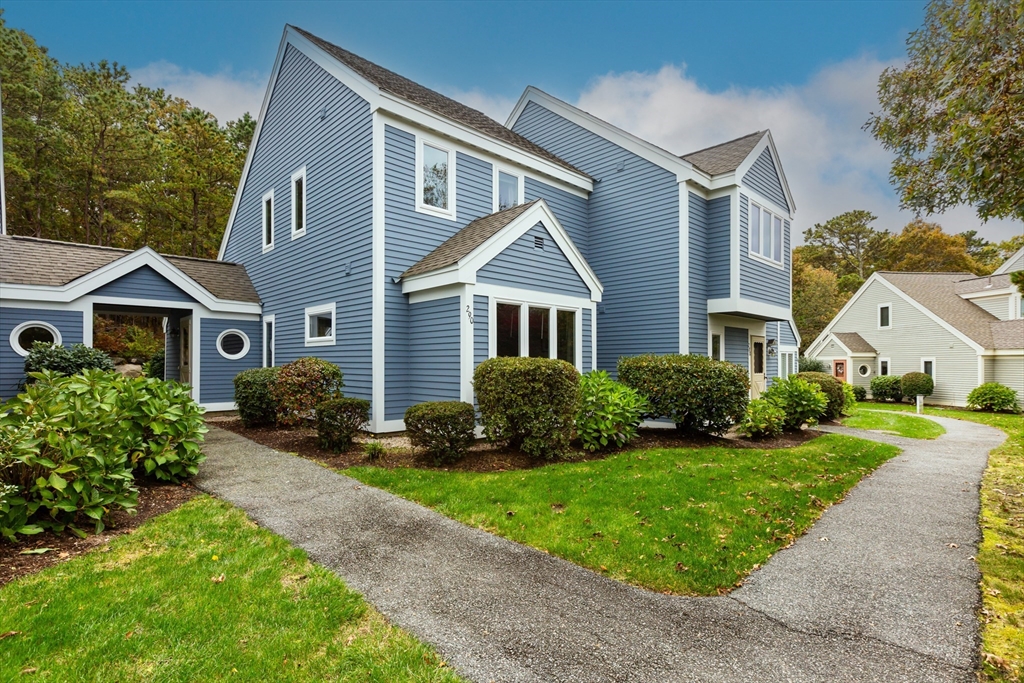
{"x":233,"y":344}
{"x":26,"y":334}
{"x":928,"y":367}
{"x":883,"y":367}
{"x":435,"y":186}
{"x":507,"y":329}
{"x":268,"y":220}
{"x":884,"y":320}
{"x":508,"y":190}
{"x":540,"y":332}
{"x":785,"y":364}
{"x":299,"y":203}
{"x":864,"y":370}
{"x":320,"y":325}
{"x":716,"y":346}
{"x":766,"y":235}
{"x":566,"y":321}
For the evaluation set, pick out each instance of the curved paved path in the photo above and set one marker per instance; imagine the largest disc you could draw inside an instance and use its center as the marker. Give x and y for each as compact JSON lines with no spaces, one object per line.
{"x":889,"y":596}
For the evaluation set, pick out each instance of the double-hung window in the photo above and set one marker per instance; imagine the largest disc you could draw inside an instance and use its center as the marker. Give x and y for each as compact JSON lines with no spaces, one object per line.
{"x":320,"y":330}
{"x":435,"y":179}
{"x":267,"y":211}
{"x":766,"y":235}
{"x":508,"y":189}
{"x":535,"y":331}
{"x":885,"y":316}
{"x":299,"y":203}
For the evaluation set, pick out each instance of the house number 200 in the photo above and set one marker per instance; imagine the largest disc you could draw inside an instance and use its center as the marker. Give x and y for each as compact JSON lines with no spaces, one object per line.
{"x":469,"y":314}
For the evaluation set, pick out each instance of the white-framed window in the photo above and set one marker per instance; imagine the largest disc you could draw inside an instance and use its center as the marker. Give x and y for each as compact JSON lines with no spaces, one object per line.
{"x":883,"y":367}
{"x":928,"y":367}
{"x":864,"y":370}
{"x":716,"y":346}
{"x":233,"y":344}
{"x":537,"y":331}
{"x":319,"y":324}
{"x":23,"y":336}
{"x":267,"y":213}
{"x":508,"y":188}
{"x":299,"y":203}
{"x":269,"y":330}
{"x":787,"y":363}
{"x":435,"y":178}
{"x":885,"y":316}
{"x":766,"y":236}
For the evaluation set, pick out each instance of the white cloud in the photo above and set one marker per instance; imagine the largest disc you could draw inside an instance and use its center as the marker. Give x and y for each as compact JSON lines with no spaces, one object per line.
{"x":831,"y":163}
{"x":227,"y":95}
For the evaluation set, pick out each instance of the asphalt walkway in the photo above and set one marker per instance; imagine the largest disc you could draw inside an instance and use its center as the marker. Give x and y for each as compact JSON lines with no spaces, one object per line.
{"x":882,"y":588}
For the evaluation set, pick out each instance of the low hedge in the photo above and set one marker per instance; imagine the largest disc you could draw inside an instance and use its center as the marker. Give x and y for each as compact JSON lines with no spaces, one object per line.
{"x":443,"y":428}
{"x":529,"y":403}
{"x":255,"y":396}
{"x":302,"y":385}
{"x":610,"y":412}
{"x":994,"y":397}
{"x":915,"y":384}
{"x":338,"y":420}
{"x":806,"y":364}
{"x":833,"y":389}
{"x":887,"y":388}
{"x":66,"y":360}
{"x":698,"y":393}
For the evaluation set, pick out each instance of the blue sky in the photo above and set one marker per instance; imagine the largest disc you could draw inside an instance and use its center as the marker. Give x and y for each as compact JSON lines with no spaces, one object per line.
{"x":683,"y":75}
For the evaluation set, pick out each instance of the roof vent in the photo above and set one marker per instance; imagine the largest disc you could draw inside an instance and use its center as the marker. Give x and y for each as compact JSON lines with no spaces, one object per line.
{"x":538,"y":242}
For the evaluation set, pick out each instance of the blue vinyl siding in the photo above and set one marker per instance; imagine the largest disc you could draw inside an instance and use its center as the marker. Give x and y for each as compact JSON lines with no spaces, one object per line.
{"x":434,"y":341}
{"x":474,"y":196}
{"x":522,"y":265}
{"x":569,"y":209}
{"x":633,"y":215}
{"x":786,"y":336}
{"x":736,"y":349}
{"x":719,"y":248}
{"x":481,"y":342}
{"x":217,"y":373}
{"x":760,"y":281}
{"x":698,"y":281}
{"x":12,"y":365}
{"x":143,"y":283}
{"x":332,"y":262}
{"x":764,"y":178}
{"x":588,"y":361}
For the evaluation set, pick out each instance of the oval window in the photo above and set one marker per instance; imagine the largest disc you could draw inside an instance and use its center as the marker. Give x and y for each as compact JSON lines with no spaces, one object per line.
{"x":864,"y":370}
{"x":26,"y":334}
{"x":233,"y":344}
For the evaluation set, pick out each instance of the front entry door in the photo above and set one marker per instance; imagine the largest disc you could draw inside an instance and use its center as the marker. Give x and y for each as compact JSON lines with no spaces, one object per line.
{"x":839,"y":370}
{"x":757,"y":381}
{"x":185,"y":356}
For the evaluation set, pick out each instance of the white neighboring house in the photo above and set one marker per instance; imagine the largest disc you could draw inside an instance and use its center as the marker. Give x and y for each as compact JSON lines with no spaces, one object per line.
{"x":961,"y":329}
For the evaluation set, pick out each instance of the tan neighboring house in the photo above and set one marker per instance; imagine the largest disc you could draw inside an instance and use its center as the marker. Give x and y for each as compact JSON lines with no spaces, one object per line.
{"x":961,"y":329}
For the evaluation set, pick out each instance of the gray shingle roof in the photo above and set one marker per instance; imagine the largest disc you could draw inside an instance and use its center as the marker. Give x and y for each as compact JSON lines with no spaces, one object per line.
{"x":1008,"y":334}
{"x":434,"y":101}
{"x":31,"y":261}
{"x":854,"y":342}
{"x":980,"y":284}
{"x":725,"y":157}
{"x":466,"y":240}
{"x":938,"y":293}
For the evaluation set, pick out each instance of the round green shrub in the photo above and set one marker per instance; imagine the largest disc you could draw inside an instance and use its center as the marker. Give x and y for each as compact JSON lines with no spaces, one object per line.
{"x":806,"y":364}
{"x":698,"y":393}
{"x":763,"y":419}
{"x":66,"y":360}
{"x":610,"y":412}
{"x":255,"y":396}
{"x":916,"y":384}
{"x":849,"y":397}
{"x":802,"y":402}
{"x":995,"y":397}
{"x":859,"y":393}
{"x":155,"y":366}
{"x":302,"y":385}
{"x":887,"y":388}
{"x":443,"y":428}
{"x":529,"y":403}
{"x":338,"y":420}
{"x":832,"y":387}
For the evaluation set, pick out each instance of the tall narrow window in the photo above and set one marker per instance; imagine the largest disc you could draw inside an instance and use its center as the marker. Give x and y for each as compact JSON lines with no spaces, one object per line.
{"x":884,"y":321}
{"x":716,"y":346}
{"x":268,"y":221}
{"x":755,"y":231}
{"x":507,"y":329}
{"x":435,"y":177}
{"x":508,"y":190}
{"x":299,"y":203}
{"x":777,"y":240}
{"x":567,"y":336}
{"x":540,"y":332}
{"x":883,"y":367}
{"x":928,"y":367}
{"x":268,"y":343}
{"x":766,"y":234}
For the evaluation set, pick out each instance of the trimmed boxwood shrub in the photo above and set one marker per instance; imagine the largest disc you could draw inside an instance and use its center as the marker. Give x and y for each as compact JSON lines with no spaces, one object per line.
{"x":887,"y":388}
{"x":915,"y":384}
{"x":255,"y":396}
{"x":302,"y":385}
{"x":529,"y":403}
{"x":610,"y":412}
{"x":806,"y":364}
{"x":832,"y":387}
{"x":802,"y":402}
{"x":698,"y":393}
{"x":66,"y":360}
{"x":340,"y":419}
{"x":995,"y":397}
{"x":860,"y":393}
{"x":443,"y":428}
{"x":763,"y":419}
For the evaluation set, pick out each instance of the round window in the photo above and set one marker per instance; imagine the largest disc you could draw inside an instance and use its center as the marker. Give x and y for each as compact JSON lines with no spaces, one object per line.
{"x":233,"y":344}
{"x":26,"y":334}
{"x":864,"y":370}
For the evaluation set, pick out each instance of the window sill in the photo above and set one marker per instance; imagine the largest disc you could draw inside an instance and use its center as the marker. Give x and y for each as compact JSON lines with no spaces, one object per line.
{"x":320,"y":342}
{"x":299,"y":233}
{"x":764,"y":259}
{"x":268,"y":247}
{"x":434,"y":211}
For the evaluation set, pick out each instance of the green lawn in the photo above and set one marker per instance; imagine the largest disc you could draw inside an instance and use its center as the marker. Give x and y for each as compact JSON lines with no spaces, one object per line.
{"x":685,"y":521}
{"x":902,"y":425}
{"x":200,"y":594}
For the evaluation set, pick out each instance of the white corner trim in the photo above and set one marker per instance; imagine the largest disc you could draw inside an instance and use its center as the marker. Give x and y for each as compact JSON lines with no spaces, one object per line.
{"x":245,"y":344}
{"x":684,"y":268}
{"x":377,"y":291}
{"x":18,"y":329}
{"x":299,"y":231}
{"x":318,"y":310}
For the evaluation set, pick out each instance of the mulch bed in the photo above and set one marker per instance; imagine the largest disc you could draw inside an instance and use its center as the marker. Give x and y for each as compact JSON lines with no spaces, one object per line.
{"x":154,"y":499}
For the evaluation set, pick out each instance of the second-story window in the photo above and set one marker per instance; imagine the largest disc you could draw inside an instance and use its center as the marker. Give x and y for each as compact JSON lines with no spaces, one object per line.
{"x":299,"y":203}
{"x":766,"y":236}
{"x":435,"y":180}
{"x":508,"y":191}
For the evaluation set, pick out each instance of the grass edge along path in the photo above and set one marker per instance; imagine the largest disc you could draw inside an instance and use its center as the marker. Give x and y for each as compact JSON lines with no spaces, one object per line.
{"x":681,"y":521}
{"x":891,"y":422}
{"x":1001,"y":553}
{"x":200,"y":593}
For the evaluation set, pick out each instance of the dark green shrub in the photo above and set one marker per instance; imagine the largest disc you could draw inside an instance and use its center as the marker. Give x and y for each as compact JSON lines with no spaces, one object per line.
{"x":697,"y":393}
{"x":255,"y":396}
{"x":66,"y":360}
{"x":916,"y":384}
{"x":832,"y":387}
{"x":610,"y":412}
{"x":340,"y":419}
{"x":154,"y":367}
{"x":762,"y":419}
{"x":443,"y":428}
{"x":529,"y":403}
{"x":802,"y":402}
{"x":302,"y":385}
{"x":859,"y":393}
{"x":995,"y":397}
{"x":887,"y":388}
{"x":806,"y":364}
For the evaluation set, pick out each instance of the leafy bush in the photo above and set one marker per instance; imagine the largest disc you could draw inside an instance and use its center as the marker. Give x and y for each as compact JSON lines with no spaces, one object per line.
{"x":995,"y":397}
{"x":338,"y":420}
{"x":916,"y":384}
{"x":443,"y":428}
{"x":610,"y":411}
{"x":529,"y":403}
{"x":806,"y":364}
{"x":762,"y":419}
{"x":154,"y":367}
{"x":141,"y":343}
{"x":802,"y":402}
{"x":832,"y":387}
{"x":302,"y":385}
{"x":66,"y":360}
{"x":887,"y":388}
{"x":697,"y":393}
{"x":859,"y":393}
{"x":849,"y":397}
{"x":255,"y":396}
{"x":375,"y":450}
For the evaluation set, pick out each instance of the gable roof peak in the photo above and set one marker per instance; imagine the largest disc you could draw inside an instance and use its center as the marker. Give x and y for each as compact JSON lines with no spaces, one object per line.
{"x":725,"y":156}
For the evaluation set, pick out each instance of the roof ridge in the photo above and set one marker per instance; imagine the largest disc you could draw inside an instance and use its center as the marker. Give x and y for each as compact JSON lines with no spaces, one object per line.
{"x":100,"y":247}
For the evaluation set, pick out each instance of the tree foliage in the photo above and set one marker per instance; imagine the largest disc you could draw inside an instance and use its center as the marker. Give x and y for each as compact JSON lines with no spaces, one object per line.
{"x":816,"y":298}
